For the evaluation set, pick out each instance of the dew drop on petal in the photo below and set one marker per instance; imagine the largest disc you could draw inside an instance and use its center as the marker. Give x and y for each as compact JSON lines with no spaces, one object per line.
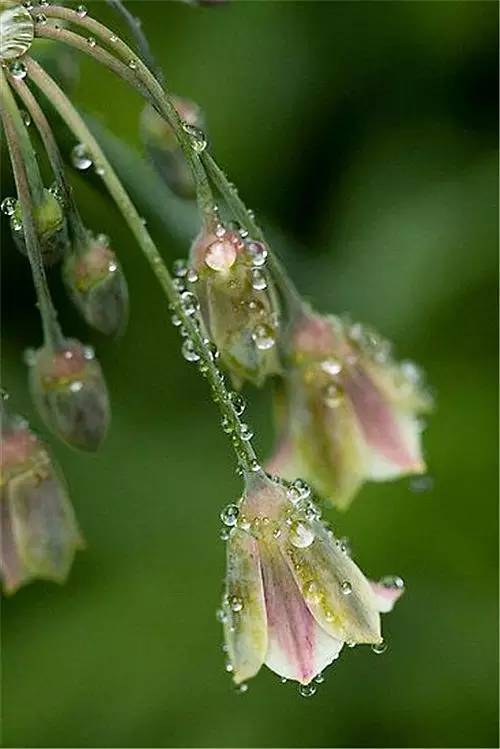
{"x":379,"y":647}
{"x":307,"y":690}
{"x":229,"y":515}
{"x":8,"y":206}
{"x":80,"y":157}
{"x":346,"y":588}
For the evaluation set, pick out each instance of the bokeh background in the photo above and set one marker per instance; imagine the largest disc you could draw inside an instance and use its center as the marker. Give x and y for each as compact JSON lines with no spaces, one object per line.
{"x":364,"y":134}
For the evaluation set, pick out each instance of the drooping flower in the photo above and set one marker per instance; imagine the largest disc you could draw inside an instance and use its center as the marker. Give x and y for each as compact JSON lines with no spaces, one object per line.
{"x":70,"y":393}
{"x":292,"y":595}
{"x":238,"y":302}
{"x":39,"y":533}
{"x":163,"y":148}
{"x":97,"y":285}
{"x":352,"y":411}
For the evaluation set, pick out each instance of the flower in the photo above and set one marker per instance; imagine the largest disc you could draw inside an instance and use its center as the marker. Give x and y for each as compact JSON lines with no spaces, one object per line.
{"x":70,"y":393}
{"x":352,"y":411}
{"x":237,"y":301}
{"x":292,"y":596}
{"x":97,"y":285}
{"x":39,"y":533}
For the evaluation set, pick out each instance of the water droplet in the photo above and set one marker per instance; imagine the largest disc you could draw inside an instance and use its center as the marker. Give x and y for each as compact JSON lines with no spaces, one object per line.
{"x":229,"y":667}
{"x":113,"y":38}
{"x":302,"y":488}
{"x":379,"y":647}
{"x":421,"y":484}
{"x":197,"y":137}
{"x":241,"y":688}
{"x":81,"y":11}
{"x":100,"y":171}
{"x":192,"y":275}
{"x":258,"y":253}
{"x":180,"y":267}
{"x":238,"y":402}
{"x":332,"y":395}
{"x":307,"y":690}
{"x":80,"y":157}
{"x":259,"y":282}
{"x":346,"y":588}
{"x":246,"y":433}
{"x":88,"y":353}
{"x":225,"y":534}
{"x":18,"y":70}
{"x":76,"y":386}
{"x":283,"y":680}
{"x":229,"y":515}
{"x":26,"y":117}
{"x":301,"y":535}
{"x":132,"y":64}
{"x":179,"y":284}
{"x":393,"y":582}
{"x":189,"y":351}
{"x":8,"y":206}
{"x":227,"y":425}
{"x":331,"y":366}
{"x":91,"y":41}
{"x":319,"y":679}
{"x":236,"y":603}
{"x":176,"y":320}
{"x":189,"y":302}
{"x":41,"y":19}
{"x":221,"y":616}
{"x":255,"y":466}
{"x":263,"y":337}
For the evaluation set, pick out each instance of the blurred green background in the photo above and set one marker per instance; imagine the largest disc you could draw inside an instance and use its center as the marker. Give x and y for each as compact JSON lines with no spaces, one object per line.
{"x":364,"y":134}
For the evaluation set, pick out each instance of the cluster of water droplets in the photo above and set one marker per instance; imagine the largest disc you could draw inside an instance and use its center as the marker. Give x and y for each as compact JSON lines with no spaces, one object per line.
{"x":81,"y":158}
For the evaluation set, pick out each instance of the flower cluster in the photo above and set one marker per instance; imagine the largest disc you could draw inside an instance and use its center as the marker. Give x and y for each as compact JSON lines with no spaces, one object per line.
{"x":348,"y":412}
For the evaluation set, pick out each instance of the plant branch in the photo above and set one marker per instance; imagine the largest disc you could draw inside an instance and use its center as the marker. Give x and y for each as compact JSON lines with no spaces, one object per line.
{"x":222,"y":397}
{"x":19,"y":150}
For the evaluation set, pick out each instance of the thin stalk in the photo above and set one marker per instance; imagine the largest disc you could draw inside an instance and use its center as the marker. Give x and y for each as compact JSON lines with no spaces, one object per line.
{"x":134,"y":24}
{"x":68,"y":113}
{"x":34,"y":109}
{"x":19,"y":151}
{"x":135,"y":72}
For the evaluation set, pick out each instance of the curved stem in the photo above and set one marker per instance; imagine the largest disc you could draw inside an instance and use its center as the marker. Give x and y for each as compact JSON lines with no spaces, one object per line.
{"x":134,"y":24}
{"x":222,"y":397}
{"x":78,"y":230}
{"x":136,"y":73}
{"x":15,"y":134}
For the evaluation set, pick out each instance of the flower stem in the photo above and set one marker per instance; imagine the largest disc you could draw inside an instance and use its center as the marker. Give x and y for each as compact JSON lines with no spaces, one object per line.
{"x":222,"y":397}
{"x":21,"y":154}
{"x":134,"y":24}
{"x":78,"y":230}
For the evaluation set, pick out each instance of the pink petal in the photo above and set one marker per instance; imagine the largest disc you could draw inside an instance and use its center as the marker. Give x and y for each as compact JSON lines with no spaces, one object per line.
{"x":393,"y":435}
{"x":387,"y":595}
{"x":298,"y":648}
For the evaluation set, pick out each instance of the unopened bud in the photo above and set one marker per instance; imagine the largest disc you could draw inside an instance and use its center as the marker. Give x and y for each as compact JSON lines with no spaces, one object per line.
{"x":39,"y":533}
{"x":70,"y":393}
{"x":164,"y":150}
{"x":97,"y":286}
{"x":50,"y":226}
{"x":237,"y":302}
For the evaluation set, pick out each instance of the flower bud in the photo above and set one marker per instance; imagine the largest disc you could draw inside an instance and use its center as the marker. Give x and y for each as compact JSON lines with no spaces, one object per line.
{"x":39,"y":533}
{"x":50,"y":226}
{"x":352,"y":410}
{"x":70,"y":393}
{"x":164,"y":150}
{"x":97,"y":286}
{"x":238,"y":302}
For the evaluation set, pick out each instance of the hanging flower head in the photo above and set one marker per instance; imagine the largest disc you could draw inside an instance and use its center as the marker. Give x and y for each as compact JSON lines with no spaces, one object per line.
{"x":293,"y":596}
{"x":353,"y":412}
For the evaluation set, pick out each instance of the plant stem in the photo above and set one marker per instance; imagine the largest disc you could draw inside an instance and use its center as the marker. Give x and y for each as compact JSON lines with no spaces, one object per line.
{"x":78,"y":230}
{"x":134,"y":25}
{"x":222,"y":397}
{"x":20,"y":150}
{"x":137,"y":74}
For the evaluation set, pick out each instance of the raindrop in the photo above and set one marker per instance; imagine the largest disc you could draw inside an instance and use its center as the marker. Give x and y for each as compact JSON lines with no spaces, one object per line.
{"x":379,"y":647}
{"x":100,"y":171}
{"x":176,"y":320}
{"x":301,"y":535}
{"x":189,"y":352}
{"x":236,"y":603}
{"x":113,"y":38}
{"x":180,"y":268}
{"x":91,"y":41}
{"x":224,"y":534}
{"x":132,"y":64}
{"x":229,"y":515}
{"x":393,"y":582}
{"x":241,"y":688}
{"x":80,"y":157}
{"x":227,"y":426}
{"x":81,"y":11}
{"x":88,"y":353}
{"x":76,"y":386}
{"x":255,"y":466}
{"x":189,"y":302}
{"x":331,"y":366}
{"x":258,"y":253}
{"x":26,"y":117}
{"x":263,"y":337}
{"x":246,"y":433}
{"x":18,"y":70}
{"x":238,"y":402}
{"x":332,"y":395}
{"x":41,"y":19}
{"x":197,"y":137}
{"x":346,"y":588}
{"x":303,"y":489}
{"x":8,"y":206}
{"x":319,"y":679}
{"x":259,"y":282}
{"x":192,"y":275}
{"x":307,"y":690}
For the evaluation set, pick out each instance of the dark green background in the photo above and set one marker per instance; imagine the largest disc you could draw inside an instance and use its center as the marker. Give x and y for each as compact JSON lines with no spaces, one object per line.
{"x":365,"y":135}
